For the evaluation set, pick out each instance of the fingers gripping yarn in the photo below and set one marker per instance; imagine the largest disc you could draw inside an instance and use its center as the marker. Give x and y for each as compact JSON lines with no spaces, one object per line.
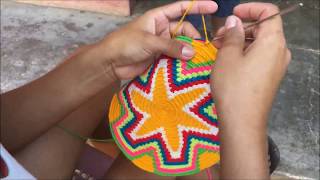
{"x":165,"y":120}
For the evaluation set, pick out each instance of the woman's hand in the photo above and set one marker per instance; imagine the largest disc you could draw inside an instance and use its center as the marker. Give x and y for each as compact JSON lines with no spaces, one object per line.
{"x":132,"y":48}
{"x":245,"y":80}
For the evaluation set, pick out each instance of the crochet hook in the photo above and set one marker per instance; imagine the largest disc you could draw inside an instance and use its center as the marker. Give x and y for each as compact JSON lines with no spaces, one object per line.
{"x":282,"y":12}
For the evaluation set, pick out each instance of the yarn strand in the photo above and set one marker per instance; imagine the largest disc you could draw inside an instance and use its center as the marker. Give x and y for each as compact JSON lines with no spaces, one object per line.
{"x":83,"y":138}
{"x":209,"y":175}
{"x":205,"y":29}
{"x":182,"y":19}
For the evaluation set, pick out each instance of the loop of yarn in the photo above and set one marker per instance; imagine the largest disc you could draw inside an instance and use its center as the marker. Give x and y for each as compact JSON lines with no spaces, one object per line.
{"x":182,"y":19}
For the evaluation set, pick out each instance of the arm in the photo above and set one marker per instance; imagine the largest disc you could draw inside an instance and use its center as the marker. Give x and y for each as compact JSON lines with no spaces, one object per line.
{"x":245,"y":81}
{"x":29,"y":111}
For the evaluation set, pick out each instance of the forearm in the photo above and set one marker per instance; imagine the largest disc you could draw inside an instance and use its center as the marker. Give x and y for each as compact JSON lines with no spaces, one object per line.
{"x":243,"y":145}
{"x":244,"y":89}
{"x":32,"y":109}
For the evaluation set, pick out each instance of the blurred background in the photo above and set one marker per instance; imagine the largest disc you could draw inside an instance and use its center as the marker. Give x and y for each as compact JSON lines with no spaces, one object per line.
{"x":34,"y":39}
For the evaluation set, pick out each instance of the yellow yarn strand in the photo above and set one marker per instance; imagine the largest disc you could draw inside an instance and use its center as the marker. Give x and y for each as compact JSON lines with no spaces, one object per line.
{"x":205,"y":29}
{"x":182,"y":19}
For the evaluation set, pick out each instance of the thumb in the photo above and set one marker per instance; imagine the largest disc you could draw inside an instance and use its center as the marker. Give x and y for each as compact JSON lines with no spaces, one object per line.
{"x":234,"y":37}
{"x":172,"y":48}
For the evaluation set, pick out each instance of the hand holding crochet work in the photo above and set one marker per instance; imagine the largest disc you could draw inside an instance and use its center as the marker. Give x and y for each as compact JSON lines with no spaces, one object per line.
{"x":245,"y":81}
{"x":133,"y":48}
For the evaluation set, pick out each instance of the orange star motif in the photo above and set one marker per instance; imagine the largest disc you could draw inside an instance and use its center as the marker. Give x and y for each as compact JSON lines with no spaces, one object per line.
{"x":167,"y":113}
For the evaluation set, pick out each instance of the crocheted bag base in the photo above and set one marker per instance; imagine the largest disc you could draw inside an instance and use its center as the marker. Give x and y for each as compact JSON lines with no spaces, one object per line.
{"x":165,"y":120}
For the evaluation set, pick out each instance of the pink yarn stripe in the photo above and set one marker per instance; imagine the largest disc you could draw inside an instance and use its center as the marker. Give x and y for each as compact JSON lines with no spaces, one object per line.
{"x":209,"y":174}
{"x":194,"y":160}
{"x":193,"y":70}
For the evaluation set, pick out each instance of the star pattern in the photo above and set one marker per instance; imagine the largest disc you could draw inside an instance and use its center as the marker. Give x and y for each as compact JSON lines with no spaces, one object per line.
{"x":167,"y":113}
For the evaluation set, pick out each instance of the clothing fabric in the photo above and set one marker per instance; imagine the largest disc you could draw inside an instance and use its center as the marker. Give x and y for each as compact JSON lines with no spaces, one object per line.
{"x":15,"y":170}
{"x":93,"y":163}
{"x":225,"y":8}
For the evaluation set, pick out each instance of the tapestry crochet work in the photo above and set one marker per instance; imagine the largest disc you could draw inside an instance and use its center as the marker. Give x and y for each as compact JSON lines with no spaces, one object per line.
{"x":165,"y":120}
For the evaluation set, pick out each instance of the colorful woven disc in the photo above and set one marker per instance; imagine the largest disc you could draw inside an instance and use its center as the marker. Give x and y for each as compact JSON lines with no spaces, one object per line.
{"x":165,"y":120}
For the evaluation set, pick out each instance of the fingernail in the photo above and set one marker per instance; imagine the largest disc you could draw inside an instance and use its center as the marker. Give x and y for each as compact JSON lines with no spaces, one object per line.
{"x":231,"y":22}
{"x":187,"y":51}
